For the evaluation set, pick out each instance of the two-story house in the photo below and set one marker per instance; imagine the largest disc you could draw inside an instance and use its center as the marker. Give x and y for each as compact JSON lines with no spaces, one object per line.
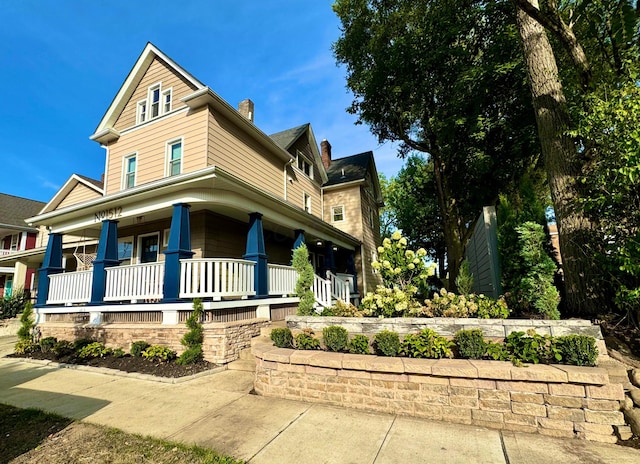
{"x":197,"y":201}
{"x":16,"y":239}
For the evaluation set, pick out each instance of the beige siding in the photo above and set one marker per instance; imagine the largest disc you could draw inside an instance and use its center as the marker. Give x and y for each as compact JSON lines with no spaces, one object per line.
{"x":370,"y":238}
{"x":150,"y":143}
{"x":80,"y":193}
{"x":158,"y":71}
{"x":349,"y":198}
{"x":231,"y":149}
{"x":298,"y":185}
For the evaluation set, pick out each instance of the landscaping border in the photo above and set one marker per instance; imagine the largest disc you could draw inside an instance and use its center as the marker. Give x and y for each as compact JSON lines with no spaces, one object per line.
{"x":552,"y":400}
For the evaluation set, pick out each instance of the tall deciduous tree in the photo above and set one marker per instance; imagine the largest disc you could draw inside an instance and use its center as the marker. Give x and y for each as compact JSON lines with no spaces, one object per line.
{"x":443,"y":78}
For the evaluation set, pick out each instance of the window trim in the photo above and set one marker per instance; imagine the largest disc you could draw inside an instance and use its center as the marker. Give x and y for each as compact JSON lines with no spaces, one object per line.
{"x":305,"y":197}
{"x":333,"y":213}
{"x":141,"y":111}
{"x":300,"y":157}
{"x":139,"y":246}
{"x":163,"y":95}
{"x":145,"y":106}
{"x":125,"y":173}
{"x":167,"y":156}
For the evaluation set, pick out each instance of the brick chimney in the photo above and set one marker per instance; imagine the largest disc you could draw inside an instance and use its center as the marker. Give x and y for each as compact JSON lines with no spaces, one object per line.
{"x":245,"y":108}
{"x":325,"y":148}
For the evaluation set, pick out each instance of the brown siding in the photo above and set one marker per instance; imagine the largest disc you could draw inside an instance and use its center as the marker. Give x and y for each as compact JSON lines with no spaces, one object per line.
{"x":158,"y":71}
{"x":231,"y":149}
{"x":80,"y":193}
{"x":349,"y":197}
{"x":298,"y":186}
{"x":150,"y":143}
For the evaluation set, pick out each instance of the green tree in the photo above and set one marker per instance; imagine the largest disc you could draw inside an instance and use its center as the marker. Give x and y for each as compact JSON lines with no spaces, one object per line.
{"x":302,"y":264}
{"x":444,"y":79}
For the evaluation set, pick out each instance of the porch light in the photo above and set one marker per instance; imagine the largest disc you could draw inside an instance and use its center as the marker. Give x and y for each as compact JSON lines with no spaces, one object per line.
{"x":319,"y":243}
{"x":335,"y":248}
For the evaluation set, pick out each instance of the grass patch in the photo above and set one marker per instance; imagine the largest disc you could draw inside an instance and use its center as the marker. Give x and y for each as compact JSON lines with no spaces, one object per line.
{"x":32,"y":436}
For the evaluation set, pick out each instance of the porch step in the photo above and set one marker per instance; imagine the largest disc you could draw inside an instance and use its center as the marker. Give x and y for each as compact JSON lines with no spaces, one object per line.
{"x":247,"y":365}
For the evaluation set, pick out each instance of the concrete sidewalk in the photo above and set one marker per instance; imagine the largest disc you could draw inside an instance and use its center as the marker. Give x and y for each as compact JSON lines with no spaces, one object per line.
{"x":218,"y":411}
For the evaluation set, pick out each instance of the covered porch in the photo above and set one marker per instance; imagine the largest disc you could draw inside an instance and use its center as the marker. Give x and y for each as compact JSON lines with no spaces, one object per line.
{"x":203,"y":235}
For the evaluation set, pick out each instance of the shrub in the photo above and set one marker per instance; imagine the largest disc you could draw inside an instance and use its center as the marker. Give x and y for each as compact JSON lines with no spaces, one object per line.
{"x":400,"y":267}
{"x":488,"y":308}
{"x":464,"y":281}
{"x":26,"y":323}
{"x":306,"y":341}
{"x":159,"y":353}
{"x":192,"y":340}
{"x":342,"y":309}
{"x":578,"y":350}
{"x":282,"y":337}
{"x":191,"y":356}
{"x":81,"y":343}
{"x":532,"y":347}
{"x":387,"y":302}
{"x":11,"y":306}
{"x":94,"y":350}
{"x":386,"y":343}
{"x":335,"y":337}
{"x":470,"y":343}
{"x":137,"y":348}
{"x":496,"y":351}
{"x":63,"y":348}
{"x":25,"y":346}
{"x":118,"y":353}
{"x":47,"y":344}
{"x":426,"y":344}
{"x":359,"y":344}
{"x":304,"y":268}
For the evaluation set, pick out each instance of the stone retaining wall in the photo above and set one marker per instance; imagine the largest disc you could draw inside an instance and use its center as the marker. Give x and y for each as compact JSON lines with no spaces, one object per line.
{"x":222,"y":343}
{"x":558,"y":401}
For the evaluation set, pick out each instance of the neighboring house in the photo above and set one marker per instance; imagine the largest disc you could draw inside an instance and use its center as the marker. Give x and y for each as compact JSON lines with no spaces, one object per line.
{"x":16,"y":239}
{"x":197,"y":201}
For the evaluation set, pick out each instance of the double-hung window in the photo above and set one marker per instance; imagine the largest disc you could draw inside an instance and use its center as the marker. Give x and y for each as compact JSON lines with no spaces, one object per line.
{"x":129,"y":177}
{"x":305,"y":166}
{"x":337,"y":213}
{"x":306,"y":198}
{"x":15,"y":242}
{"x":157,"y":102}
{"x":174,"y":157}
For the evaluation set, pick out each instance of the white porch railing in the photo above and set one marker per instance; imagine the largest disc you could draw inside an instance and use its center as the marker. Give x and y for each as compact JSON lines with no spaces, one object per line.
{"x":216,"y":278}
{"x":322,"y":290}
{"x":339,"y":287}
{"x":282,"y":280}
{"x":135,"y":282}
{"x":70,"y":287}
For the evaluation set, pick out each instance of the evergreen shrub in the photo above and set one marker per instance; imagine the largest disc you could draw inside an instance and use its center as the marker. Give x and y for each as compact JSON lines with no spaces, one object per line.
{"x":282,"y":337}
{"x":335,"y":337}
{"x":386,"y":343}
{"x":470,"y":343}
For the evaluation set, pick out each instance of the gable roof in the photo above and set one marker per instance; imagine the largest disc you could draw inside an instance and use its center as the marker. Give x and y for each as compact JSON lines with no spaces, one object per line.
{"x":68,"y":186}
{"x":14,"y":210}
{"x":286,"y":138}
{"x":131,"y":82}
{"x":354,"y":168}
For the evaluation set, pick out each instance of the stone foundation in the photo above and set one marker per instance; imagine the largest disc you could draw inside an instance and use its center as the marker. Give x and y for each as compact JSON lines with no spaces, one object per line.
{"x":558,"y":401}
{"x":222,"y":343}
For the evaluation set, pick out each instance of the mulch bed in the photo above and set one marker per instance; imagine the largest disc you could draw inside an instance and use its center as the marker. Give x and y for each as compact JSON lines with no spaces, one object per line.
{"x":128,"y":363}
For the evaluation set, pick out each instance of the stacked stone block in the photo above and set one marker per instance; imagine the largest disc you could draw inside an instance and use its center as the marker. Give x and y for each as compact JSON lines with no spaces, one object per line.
{"x":557,"y":401}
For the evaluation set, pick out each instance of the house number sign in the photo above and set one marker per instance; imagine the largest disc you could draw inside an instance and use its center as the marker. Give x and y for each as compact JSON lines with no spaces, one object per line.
{"x":110,"y":213}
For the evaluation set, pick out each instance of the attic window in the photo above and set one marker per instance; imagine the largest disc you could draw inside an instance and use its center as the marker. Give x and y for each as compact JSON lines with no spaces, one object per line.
{"x":305,"y":166}
{"x":157,"y":103}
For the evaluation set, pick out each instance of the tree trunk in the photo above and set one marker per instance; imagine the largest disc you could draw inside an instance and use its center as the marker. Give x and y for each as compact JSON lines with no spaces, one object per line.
{"x":450,"y":223}
{"x":562,"y":165}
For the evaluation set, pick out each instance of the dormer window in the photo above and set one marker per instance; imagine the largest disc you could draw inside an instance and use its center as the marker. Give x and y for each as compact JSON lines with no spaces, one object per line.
{"x":157,"y":103}
{"x":305,"y":166}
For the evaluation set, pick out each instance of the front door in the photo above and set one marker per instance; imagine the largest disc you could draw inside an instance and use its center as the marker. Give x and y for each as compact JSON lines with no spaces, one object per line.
{"x":149,"y":248}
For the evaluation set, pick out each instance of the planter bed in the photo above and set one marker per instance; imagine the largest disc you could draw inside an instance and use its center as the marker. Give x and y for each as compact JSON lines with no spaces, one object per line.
{"x":553,"y":400}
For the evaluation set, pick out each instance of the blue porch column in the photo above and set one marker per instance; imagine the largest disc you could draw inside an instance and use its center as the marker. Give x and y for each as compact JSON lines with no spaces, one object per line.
{"x":52,"y":264}
{"x":329,"y":261}
{"x":107,"y":256}
{"x":179,"y":248}
{"x":299,"y":240}
{"x":255,"y":251}
{"x":351,"y":269}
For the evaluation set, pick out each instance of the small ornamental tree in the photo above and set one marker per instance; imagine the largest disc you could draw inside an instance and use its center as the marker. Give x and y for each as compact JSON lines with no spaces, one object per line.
{"x":192,"y":340}
{"x":304,"y":268}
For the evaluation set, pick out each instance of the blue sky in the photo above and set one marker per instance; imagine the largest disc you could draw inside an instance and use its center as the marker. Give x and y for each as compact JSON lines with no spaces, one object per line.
{"x":62,"y":62}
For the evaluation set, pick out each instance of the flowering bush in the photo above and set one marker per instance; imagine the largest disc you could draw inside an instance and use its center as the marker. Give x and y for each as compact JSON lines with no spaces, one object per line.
{"x":447,"y":304}
{"x":389,"y":302}
{"x":400,"y":267}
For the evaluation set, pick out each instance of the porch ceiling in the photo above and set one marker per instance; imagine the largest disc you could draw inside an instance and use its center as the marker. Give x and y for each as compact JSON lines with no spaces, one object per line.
{"x":208,"y":189}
